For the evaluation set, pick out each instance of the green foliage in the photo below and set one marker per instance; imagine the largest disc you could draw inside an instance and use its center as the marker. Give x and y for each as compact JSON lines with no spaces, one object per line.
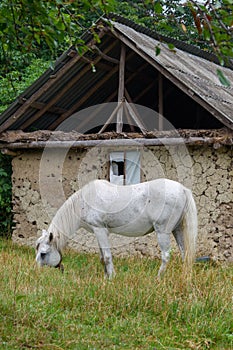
{"x":224,"y":81}
{"x":42,"y":308}
{"x":28,"y":25}
{"x":5,"y":196}
{"x":209,"y":26}
{"x":18,"y":79}
{"x":165,"y":17}
{"x":213,"y":22}
{"x":39,"y":26}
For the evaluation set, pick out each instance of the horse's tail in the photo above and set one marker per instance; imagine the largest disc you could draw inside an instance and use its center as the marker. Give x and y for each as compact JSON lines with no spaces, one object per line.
{"x":190,"y":228}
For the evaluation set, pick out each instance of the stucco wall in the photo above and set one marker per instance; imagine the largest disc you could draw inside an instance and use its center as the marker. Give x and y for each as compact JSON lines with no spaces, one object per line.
{"x":42,"y":181}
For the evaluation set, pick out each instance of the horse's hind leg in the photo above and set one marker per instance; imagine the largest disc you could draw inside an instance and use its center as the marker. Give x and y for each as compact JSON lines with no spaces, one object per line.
{"x":179,"y":237}
{"x":105,"y":252}
{"x":164,"y":244}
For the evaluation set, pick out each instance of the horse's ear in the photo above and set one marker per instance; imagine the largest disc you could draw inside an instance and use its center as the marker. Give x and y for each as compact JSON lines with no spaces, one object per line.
{"x":50,"y":237}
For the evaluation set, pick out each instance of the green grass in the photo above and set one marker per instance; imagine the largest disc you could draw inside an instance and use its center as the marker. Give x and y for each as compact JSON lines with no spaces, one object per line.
{"x":43,"y":309}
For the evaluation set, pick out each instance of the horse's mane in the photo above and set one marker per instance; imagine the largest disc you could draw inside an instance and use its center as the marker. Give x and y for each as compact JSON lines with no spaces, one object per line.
{"x":65,"y":222}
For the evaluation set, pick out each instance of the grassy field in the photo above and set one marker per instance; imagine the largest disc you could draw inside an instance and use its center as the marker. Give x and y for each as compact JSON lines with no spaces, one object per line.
{"x":43,"y":309}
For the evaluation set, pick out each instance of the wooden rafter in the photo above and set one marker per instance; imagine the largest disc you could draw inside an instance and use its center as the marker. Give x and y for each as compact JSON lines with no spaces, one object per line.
{"x":134,"y":115}
{"x":104,"y":56}
{"x":121,"y":88}
{"x":160,"y":98}
{"x":110,"y":98}
{"x":48,"y":105}
{"x":40,"y":105}
{"x":62,"y":92}
{"x":38,"y":94}
{"x":129,"y":119}
{"x":59,"y":74}
{"x":76,"y":106}
{"x":113,"y":114}
{"x":95,"y":112}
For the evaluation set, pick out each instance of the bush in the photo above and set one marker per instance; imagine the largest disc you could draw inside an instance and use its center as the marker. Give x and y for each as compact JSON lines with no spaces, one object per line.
{"x":5,"y":196}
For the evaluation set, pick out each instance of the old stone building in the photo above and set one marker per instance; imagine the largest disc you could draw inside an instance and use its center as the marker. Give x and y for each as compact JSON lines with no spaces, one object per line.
{"x":121,"y":113}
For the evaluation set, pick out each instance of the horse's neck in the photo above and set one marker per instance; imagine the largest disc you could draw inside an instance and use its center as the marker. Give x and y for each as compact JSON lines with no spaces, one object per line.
{"x":66,"y":221}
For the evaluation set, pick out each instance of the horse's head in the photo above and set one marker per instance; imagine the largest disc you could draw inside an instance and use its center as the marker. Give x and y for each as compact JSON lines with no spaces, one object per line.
{"x":47,"y":252}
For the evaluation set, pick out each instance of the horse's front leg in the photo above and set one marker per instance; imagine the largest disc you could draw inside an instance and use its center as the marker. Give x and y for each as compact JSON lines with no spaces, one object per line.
{"x":105,"y":252}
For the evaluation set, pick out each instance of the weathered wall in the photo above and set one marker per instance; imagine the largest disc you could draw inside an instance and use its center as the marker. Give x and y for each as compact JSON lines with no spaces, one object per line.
{"x":42,"y":183}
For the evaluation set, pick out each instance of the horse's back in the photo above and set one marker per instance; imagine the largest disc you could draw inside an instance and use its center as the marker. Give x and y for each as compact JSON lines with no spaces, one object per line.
{"x":162,"y":189}
{"x":153,"y":183}
{"x":161,"y":185}
{"x":132,"y":209}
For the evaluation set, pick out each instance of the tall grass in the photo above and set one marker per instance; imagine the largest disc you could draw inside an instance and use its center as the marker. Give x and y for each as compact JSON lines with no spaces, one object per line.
{"x":44,"y":309}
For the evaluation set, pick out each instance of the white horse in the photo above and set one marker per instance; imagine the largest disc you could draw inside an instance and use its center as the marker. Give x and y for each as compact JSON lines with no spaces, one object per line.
{"x":162,"y":205}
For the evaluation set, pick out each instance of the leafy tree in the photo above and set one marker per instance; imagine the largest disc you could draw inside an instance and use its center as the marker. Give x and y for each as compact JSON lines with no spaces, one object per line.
{"x":37,"y":26}
{"x":207,"y":24}
{"x":164,"y":17}
{"x":214,"y":23}
{"x":26,"y":25}
{"x":32,"y":29}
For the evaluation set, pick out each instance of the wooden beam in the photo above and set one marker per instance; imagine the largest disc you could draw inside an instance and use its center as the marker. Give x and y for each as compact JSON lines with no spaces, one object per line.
{"x":121,"y":88}
{"x":163,"y":141}
{"x":223,"y":118}
{"x":104,"y":56}
{"x":74,"y":59}
{"x":129,"y":119}
{"x":119,"y":105}
{"x":9,"y":152}
{"x":75,"y":107}
{"x":48,"y":105}
{"x":109,"y":99}
{"x":38,"y":94}
{"x":100,"y":106}
{"x":134,"y":113}
{"x":134,"y":116}
{"x":63,"y":91}
{"x":40,"y":105}
{"x":160,"y":99}
{"x":95,"y":112}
